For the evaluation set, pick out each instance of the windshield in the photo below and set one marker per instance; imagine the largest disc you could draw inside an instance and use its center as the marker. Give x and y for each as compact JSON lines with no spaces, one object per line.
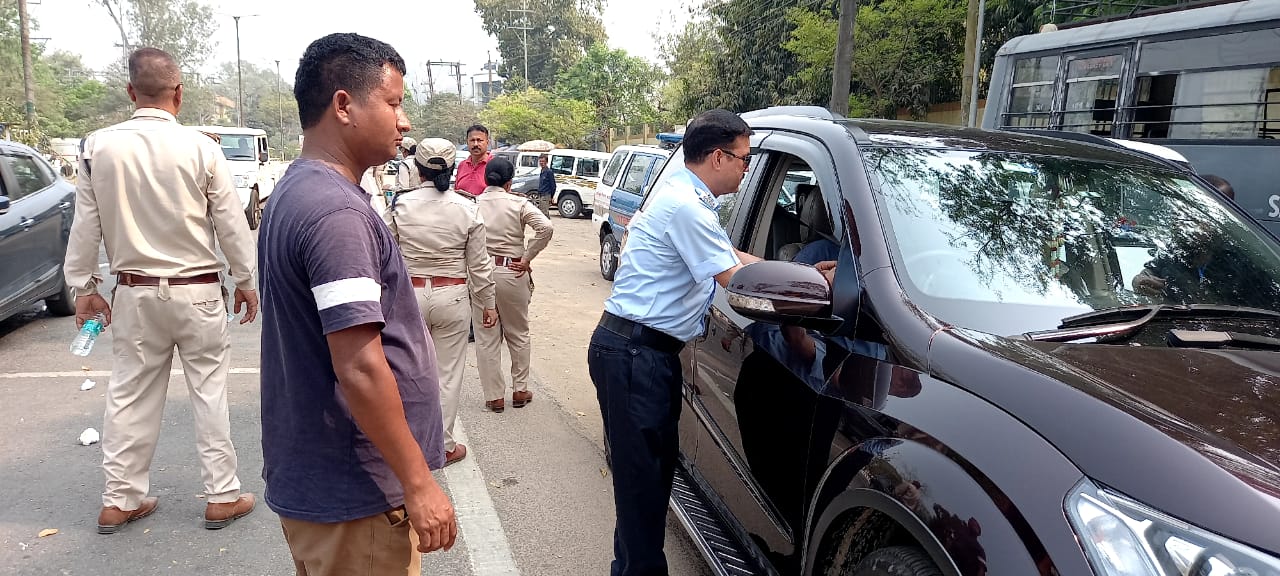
{"x":978,"y":232}
{"x":237,"y":147}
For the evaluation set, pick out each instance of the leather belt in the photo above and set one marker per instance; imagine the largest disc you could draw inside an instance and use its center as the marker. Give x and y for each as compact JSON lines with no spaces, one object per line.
{"x":504,"y":260}
{"x":436,"y":281}
{"x":127,"y":279}
{"x":640,"y":334}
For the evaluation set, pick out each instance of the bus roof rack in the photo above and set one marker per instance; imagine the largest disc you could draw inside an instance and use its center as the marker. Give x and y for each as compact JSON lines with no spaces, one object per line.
{"x":806,"y":111}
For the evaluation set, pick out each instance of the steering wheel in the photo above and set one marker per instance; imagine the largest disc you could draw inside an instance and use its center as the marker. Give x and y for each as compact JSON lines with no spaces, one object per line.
{"x":931,"y":268}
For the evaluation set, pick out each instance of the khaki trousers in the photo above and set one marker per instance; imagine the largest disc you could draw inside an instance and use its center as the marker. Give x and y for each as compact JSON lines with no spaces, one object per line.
{"x":544,"y":204}
{"x":380,"y":545}
{"x":447,"y":314}
{"x":147,"y":323}
{"x":513,"y":295}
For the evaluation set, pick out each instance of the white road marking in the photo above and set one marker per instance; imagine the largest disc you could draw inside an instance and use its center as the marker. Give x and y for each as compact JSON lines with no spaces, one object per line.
{"x":478,"y":522}
{"x":94,"y":374}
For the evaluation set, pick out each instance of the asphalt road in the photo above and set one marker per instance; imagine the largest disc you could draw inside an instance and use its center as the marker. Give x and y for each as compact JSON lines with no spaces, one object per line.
{"x":533,"y":497}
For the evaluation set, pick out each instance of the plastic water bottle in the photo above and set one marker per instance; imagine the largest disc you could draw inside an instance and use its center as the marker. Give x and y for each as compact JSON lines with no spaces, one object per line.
{"x":88,"y":334}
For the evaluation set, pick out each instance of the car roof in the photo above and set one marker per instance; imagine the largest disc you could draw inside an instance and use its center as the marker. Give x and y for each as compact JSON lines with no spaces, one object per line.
{"x":576,"y":152}
{"x":231,"y":130}
{"x":653,"y":148}
{"x":17,"y":146}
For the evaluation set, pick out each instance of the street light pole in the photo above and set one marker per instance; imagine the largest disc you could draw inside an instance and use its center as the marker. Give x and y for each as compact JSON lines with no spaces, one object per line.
{"x":239,"y":78}
{"x":280,"y":107}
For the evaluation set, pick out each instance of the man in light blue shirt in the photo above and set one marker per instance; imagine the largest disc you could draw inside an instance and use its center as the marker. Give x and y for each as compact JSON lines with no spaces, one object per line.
{"x":675,"y":255}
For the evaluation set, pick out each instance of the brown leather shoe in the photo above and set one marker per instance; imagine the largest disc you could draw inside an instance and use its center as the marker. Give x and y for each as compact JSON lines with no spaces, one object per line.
{"x":521,"y":397}
{"x":456,"y":455}
{"x":220,"y":515}
{"x":111,"y":519}
{"x":496,"y":405}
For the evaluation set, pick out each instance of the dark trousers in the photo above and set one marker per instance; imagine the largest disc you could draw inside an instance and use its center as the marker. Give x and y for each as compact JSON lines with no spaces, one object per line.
{"x":638,"y":387}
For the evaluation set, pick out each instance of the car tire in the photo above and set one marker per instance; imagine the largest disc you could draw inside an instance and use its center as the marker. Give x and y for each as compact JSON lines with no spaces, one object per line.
{"x":896,"y":561}
{"x":64,"y":304}
{"x":570,"y":206}
{"x":608,"y":256}
{"x":253,"y":213}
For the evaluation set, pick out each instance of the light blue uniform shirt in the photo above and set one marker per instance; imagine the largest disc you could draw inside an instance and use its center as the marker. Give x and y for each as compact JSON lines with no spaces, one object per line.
{"x":675,"y":247}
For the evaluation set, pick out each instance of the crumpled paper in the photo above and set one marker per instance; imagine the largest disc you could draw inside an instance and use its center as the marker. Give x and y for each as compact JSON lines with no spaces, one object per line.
{"x":88,"y":384}
{"x":89,"y":436}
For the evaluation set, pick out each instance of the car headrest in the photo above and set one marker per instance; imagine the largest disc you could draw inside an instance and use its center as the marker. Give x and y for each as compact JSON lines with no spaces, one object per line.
{"x":812,"y":211}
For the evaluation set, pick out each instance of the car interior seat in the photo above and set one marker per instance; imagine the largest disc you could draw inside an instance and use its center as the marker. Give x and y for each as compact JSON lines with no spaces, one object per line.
{"x":815,"y":221}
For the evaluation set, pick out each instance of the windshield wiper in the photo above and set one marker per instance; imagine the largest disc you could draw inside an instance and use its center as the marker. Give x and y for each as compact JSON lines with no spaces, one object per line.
{"x":1212,"y":339}
{"x":1125,"y":320}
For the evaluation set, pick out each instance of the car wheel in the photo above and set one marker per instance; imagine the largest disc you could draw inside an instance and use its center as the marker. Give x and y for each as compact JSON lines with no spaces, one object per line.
{"x":608,"y":256}
{"x":896,"y":561}
{"x":253,"y":213}
{"x":64,"y":304}
{"x":570,"y":206}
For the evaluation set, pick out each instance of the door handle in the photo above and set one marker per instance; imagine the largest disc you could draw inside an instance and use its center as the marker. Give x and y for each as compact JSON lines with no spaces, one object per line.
{"x":27,"y":223}
{"x":64,"y":206}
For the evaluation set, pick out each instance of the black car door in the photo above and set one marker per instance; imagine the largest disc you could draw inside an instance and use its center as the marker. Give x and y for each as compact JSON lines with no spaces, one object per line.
{"x":756,"y":386}
{"x":40,"y":208}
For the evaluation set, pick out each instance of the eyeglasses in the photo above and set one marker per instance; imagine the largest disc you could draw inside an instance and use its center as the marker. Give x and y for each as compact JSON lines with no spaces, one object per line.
{"x":746,"y":160}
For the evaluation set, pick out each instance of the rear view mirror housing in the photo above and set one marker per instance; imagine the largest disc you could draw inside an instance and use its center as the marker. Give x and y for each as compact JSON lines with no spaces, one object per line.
{"x":783,"y":293}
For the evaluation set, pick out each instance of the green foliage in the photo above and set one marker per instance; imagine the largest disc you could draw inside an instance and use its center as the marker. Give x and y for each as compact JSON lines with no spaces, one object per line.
{"x":534,"y":114}
{"x":183,"y":28}
{"x":560,"y":32}
{"x":908,"y":54}
{"x":443,"y":116}
{"x":620,"y":87}
{"x":751,"y":68}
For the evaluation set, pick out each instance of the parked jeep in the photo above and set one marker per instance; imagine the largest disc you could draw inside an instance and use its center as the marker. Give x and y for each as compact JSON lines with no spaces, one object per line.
{"x":630,"y":171}
{"x":1037,"y":356}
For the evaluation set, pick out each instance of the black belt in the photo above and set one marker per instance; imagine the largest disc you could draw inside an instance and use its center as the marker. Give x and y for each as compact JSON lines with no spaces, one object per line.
{"x":640,"y":334}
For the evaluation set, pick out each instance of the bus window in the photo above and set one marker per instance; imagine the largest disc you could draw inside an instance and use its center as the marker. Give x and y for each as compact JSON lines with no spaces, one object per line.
{"x":1031,"y":99}
{"x":1093,"y":86}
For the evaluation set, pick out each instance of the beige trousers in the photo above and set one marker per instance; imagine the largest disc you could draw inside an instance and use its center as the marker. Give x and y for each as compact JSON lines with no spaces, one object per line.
{"x":447,"y":314}
{"x":513,"y":295}
{"x":380,"y":545}
{"x":147,"y":322}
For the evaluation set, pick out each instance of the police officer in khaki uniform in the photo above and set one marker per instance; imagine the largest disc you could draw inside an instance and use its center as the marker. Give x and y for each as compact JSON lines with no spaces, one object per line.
{"x":406,"y":172}
{"x":158,"y":194}
{"x":442,"y":237}
{"x":506,"y":215}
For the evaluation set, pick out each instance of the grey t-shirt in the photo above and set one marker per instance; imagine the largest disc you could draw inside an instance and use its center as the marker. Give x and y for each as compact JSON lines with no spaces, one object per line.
{"x":327,"y":262}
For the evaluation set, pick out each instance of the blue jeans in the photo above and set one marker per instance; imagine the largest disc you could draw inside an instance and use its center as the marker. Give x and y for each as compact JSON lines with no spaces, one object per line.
{"x":638,"y":388}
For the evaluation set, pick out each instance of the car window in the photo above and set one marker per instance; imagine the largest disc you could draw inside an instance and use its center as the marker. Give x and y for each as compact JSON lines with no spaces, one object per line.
{"x":28,"y":174}
{"x":789,"y":212}
{"x":634,"y":177}
{"x":529,"y":161}
{"x":562,"y":165}
{"x":588,"y":167}
{"x":615,"y":166}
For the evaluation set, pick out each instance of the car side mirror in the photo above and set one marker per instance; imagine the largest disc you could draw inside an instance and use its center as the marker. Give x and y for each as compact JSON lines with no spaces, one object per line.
{"x":262,"y":156}
{"x":787,"y":293}
{"x":4,"y":204}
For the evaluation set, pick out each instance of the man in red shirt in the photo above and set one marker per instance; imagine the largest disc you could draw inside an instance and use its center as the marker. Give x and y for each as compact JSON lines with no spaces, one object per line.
{"x":470,"y":177}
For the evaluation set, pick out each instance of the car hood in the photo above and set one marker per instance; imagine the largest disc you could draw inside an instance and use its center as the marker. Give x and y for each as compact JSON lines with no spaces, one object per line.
{"x":1193,"y":432}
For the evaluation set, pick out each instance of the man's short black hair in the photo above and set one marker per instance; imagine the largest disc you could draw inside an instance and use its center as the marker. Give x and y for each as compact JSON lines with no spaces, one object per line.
{"x":153,"y":72}
{"x":499,"y":171}
{"x":710,"y":130}
{"x":336,"y":62}
{"x":1221,"y":184}
{"x":477,"y":128}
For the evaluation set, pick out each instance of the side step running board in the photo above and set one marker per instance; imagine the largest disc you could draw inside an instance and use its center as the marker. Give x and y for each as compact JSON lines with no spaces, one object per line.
{"x":708,"y":532}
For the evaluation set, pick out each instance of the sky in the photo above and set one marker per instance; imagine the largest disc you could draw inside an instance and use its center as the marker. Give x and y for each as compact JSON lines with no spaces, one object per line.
{"x":282,"y":30}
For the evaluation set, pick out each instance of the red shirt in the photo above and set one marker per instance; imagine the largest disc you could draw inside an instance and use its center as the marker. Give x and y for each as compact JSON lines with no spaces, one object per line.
{"x":470,"y":176}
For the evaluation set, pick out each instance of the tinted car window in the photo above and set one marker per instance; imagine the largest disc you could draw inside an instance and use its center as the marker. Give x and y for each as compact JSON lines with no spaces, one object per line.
{"x":633,"y":178}
{"x":588,"y":167}
{"x":30,"y":176}
{"x":529,"y":161}
{"x":1044,"y":238}
{"x":562,"y":165}
{"x":615,"y":166}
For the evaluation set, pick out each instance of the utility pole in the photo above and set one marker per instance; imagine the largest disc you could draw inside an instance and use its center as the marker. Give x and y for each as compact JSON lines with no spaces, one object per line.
{"x":488,"y":91}
{"x":457,"y":72}
{"x":977,"y":59}
{"x":967,"y":72}
{"x":524,"y":28}
{"x":843,"y":74}
{"x":431,"y":83}
{"x":239,"y":75}
{"x":28,"y":83}
{"x":280,"y":107}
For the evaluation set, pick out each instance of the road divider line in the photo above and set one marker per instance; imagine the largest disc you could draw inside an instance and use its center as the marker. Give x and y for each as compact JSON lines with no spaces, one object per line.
{"x":478,"y":522}
{"x":94,"y":374}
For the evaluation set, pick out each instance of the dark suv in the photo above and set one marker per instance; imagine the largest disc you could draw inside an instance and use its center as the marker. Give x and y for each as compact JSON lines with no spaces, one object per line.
{"x":36,"y":206}
{"x":1038,"y":356}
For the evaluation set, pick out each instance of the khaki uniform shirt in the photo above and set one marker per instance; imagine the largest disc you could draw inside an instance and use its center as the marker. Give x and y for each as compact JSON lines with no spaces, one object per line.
{"x":157,"y":194}
{"x":442,"y":234}
{"x":407,"y":175}
{"x":506,"y":215}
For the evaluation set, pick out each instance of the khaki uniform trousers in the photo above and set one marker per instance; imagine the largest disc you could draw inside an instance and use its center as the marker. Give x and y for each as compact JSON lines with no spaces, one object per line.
{"x":380,"y":545}
{"x":447,"y":314}
{"x":513,"y":296}
{"x":544,"y":204}
{"x":147,"y":322}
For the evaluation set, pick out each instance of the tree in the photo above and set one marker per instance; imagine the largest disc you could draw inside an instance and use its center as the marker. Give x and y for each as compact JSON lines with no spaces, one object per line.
{"x":908,"y":55}
{"x":620,"y":87}
{"x":444,"y":115}
{"x":688,"y":56}
{"x":560,"y":32}
{"x":534,"y":114}
{"x":751,"y":68}
{"x":183,"y":28}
